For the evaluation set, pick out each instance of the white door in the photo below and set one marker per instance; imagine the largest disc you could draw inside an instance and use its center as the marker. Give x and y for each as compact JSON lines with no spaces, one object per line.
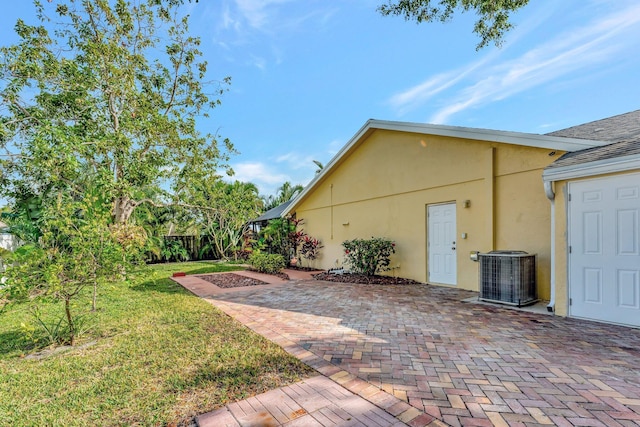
{"x":604,"y":249}
{"x":441,"y":243}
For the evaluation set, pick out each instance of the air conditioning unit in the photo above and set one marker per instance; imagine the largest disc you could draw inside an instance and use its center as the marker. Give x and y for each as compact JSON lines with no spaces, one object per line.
{"x":508,"y":277}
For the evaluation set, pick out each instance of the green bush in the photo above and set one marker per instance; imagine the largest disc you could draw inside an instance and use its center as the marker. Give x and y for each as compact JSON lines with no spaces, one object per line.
{"x":267,"y":263}
{"x":173,"y":250}
{"x":368,"y":256}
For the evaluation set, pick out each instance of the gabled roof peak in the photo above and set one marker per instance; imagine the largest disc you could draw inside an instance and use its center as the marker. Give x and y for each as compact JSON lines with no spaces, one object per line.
{"x":488,"y":135}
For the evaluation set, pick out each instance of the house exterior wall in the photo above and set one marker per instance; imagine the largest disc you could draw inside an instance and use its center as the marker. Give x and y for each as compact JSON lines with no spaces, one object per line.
{"x":383,"y":186}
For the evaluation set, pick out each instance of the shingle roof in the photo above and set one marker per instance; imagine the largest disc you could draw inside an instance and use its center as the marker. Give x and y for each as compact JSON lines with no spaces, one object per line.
{"x":611,"y":151}
{"x":272,"y":213}
{"x":622,"y":130}
{"x":623,"y":127}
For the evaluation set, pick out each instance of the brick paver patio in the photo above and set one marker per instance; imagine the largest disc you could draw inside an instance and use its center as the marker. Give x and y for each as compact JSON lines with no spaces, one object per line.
{"x":462,"y":363}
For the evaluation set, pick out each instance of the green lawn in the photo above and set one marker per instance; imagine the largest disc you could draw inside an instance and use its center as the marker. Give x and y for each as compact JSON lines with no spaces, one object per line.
{"x":156,"y":355}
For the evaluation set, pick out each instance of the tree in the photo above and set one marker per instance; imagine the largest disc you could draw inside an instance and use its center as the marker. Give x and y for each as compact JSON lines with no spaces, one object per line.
{"x":77,"y":247}
{"x":319,"y":165}
{"x":284,"y":193}
{"x":222,"y":212}
{"x":95,"y":115}
{"x":99,"y":95}
{"x":492,"y":24}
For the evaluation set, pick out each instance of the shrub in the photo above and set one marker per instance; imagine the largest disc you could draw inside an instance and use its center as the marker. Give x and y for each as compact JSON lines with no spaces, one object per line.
{"x":174,"y":250}
{"x":368,"y":256}
{"x":309,"y":247}
{"x":267,"y":263}
{"x":278,"y":236}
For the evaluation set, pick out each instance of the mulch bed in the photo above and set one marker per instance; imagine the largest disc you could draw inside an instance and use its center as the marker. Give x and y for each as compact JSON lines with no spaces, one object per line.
{"x":283,"y":276}
{"x":297,"y":267}
{"x":230,"y":280}
{"x":364,"y":279}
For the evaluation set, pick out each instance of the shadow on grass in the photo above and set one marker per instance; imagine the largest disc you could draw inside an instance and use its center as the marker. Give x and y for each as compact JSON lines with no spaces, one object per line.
{"x":14,"y":342}
{"x":237,"y":379}
{"x":160,"y":285}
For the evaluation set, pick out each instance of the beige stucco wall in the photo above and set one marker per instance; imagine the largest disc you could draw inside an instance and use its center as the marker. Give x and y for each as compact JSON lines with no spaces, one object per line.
{"x":384,"y":185}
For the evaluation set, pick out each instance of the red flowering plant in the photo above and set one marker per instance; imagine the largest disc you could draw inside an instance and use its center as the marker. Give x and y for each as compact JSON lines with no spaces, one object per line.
{"x":309,"y":247}
{"x":302,"y":244}
{"x":368,"y":256}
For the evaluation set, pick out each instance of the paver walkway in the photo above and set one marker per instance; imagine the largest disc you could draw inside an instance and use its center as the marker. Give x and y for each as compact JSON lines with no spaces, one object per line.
{"x":317,"y":401}
{"x":464,"y":364}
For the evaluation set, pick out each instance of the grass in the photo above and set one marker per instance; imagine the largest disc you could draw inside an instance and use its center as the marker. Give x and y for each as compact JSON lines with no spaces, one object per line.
{"x":156,"y":355}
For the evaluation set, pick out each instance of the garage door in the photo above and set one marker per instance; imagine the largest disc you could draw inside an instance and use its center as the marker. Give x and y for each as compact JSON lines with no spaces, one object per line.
{"x":604,"y":245}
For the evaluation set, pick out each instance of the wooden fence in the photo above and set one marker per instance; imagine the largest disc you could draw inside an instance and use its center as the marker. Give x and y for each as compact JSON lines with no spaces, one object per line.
{"x":192,"y":244}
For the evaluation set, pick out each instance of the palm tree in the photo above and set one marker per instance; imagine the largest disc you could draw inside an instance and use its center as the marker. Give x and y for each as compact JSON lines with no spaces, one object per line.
{"x":283,"y":194}
{"x":319,"y":165}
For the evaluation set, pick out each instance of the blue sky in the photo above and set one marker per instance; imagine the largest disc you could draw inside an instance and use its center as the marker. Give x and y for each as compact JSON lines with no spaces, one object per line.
{"x":307,"y":74}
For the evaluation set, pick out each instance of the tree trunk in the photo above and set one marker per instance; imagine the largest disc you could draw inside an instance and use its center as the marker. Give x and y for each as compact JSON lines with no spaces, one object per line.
{"x":95,"y":296}
{"x":72,"y":328}
{"x":122,"y":209}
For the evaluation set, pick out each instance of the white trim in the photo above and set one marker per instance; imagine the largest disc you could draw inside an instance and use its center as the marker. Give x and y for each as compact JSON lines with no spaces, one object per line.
{"x":552,"y":300}
{"x":598,"y":167}
{"x":505,"y":137}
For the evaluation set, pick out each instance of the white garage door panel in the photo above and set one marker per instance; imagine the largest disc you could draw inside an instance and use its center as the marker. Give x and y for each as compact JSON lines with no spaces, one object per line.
{"x":604,"y":262}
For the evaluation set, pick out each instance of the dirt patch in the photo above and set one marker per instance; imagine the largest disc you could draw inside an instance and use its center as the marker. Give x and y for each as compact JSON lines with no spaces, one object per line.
{"x":57,"y":350}
{"x":230,"y":280}
{"x":364,"y":279}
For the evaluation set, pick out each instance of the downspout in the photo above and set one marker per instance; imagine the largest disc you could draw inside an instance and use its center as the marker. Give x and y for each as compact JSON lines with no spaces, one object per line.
{"x":548,"y":190}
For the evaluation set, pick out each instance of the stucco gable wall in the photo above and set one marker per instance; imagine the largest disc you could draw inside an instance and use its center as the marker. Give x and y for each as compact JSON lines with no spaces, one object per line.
{"x":393,"y":163}
{"x":383,"y":186}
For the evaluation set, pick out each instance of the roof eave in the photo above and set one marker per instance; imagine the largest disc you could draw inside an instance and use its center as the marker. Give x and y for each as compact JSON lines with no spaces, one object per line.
{"x":515,"y":138}
{"x":325,"y":170}
{"x":598,"y":167}
{"x":489,"y":135}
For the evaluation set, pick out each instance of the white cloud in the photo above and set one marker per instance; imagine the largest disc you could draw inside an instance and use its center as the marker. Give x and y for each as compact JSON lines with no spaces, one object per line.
{"x":256,"y":171}
{"x":569,"y":52}
{"x":264,"y":26}
{"x":268,"y":177}
{"x":258,"y":12}
{"x":418,"y":95}
{"x":296,"y":167}
{"x":296,"y":161}
{"x":335,"y":146}
{"x":487,"y":80}
{"x":258,"y":62}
